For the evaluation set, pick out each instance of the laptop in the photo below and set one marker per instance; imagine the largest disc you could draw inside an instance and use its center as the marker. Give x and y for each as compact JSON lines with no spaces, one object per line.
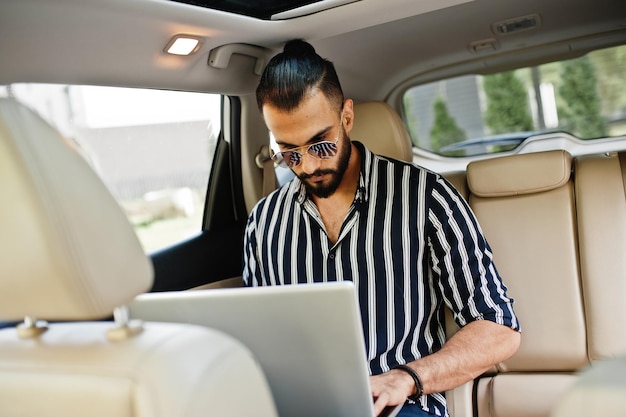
{"x":307,"y":338}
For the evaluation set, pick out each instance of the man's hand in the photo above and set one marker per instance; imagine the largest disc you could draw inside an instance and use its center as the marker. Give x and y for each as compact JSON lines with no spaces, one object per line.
{"x":469,"y":352}
{"x":390,"y":389}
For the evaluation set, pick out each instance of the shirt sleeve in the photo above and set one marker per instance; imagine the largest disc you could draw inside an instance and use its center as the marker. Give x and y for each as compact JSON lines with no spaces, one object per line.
{"x":463,"y":262}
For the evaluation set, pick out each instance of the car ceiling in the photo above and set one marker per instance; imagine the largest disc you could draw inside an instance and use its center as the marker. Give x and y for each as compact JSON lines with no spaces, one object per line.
{"x":376,"y":45}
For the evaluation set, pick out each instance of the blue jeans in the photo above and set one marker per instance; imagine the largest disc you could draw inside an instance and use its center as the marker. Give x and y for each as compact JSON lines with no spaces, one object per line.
{"x":412,"y":410}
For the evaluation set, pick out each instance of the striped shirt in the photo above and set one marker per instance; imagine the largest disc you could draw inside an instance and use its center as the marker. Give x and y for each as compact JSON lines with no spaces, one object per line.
{"x":410,"y":244}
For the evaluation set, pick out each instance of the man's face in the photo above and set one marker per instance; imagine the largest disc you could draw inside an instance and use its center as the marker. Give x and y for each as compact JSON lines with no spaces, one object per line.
{"x":315,"y":120}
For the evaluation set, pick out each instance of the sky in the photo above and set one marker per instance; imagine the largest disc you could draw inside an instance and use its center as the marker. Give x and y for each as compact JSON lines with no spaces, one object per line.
{"x":113,"y":107}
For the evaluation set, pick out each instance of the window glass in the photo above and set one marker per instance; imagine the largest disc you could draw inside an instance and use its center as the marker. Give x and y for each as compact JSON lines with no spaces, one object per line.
{"x":152,"y":148}
{"x":472,"y":115}
{"x":283,"y":175}
{"x":259,"y":9}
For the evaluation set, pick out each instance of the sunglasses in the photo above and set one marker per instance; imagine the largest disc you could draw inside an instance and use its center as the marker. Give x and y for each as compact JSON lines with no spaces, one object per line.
{"x":320,"y":150}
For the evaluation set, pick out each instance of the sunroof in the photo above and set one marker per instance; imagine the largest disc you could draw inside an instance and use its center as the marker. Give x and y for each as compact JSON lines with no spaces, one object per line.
{"x":261,"y":9}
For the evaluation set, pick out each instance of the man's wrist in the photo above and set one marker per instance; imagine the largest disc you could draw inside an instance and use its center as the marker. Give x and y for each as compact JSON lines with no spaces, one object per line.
{"x":419,"y":386}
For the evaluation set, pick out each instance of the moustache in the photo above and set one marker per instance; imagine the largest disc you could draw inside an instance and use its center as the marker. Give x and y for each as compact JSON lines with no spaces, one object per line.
{"x":305,"y":176}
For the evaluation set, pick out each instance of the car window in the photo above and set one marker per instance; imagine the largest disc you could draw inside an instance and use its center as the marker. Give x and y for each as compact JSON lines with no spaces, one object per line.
{"x":473,"y":115}
{"x":152,"y":148}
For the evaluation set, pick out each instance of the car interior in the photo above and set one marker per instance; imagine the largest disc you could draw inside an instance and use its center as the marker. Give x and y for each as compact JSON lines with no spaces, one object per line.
{"x":130,"y":167}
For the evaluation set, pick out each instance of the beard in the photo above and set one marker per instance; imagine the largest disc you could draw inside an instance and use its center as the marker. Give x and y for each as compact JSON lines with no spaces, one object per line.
{"x":325,"y":190}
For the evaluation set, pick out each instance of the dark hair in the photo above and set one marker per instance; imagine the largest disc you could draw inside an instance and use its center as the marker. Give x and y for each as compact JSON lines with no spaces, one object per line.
{"x":293,"y":73}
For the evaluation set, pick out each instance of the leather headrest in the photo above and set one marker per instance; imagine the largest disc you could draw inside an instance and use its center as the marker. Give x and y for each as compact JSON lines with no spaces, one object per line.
{"x":68,"y":251}
{"x":519,"y":174}
{"x":381,"y":130}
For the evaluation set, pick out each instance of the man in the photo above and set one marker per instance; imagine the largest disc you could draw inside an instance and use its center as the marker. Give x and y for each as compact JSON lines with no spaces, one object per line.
{"x":401,"y":233}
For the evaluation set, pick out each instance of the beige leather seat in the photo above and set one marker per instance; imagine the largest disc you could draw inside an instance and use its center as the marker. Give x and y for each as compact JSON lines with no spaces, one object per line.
{"x":525,"y":205}
{"x":381,"y":130}
{"x":69,"y":254}
{"x":601,"y":212}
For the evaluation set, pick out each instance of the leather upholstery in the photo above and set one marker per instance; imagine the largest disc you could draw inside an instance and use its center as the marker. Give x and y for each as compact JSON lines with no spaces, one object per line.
{"x":68,"y":250}
{"x":381,"y":130}
{"x":521,"y":394}
{"x":168,"y":370}
{"x":525,"y":205}
{"x":601,"y":209}
{"x":559,"y":242}
{"x":68,"y":253}
{"x":519,"y":174}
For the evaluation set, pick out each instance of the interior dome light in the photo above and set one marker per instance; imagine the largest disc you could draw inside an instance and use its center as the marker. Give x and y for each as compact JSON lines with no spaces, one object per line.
{"x":183,"y":45}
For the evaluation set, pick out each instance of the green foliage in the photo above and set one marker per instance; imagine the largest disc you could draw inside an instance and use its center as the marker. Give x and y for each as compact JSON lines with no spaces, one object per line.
{"x":507,"y":104}
{"x":445,"y":130}
{"x":412,"y":120}
{"x":611,"y":78}
{"x":581,"y":113}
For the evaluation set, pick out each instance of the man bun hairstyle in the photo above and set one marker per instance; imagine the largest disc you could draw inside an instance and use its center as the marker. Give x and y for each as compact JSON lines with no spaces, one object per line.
{"x":294,"y":73}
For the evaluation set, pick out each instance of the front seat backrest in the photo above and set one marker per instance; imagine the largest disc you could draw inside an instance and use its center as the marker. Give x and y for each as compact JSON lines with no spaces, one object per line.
{"x":69,"y":254}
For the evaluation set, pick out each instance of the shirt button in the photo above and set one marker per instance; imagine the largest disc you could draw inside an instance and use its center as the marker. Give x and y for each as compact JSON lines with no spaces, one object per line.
{"x":331,"y":256}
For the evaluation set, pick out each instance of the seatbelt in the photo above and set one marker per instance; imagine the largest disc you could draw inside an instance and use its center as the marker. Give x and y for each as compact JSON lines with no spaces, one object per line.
{"x":264,"y":161}
{"x":622,"y":164}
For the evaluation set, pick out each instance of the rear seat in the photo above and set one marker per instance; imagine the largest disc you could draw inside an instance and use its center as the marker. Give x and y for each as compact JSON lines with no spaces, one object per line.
{"x":559,"y":244}
{"x":601,"y":209}
{"x":528,"y":216}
